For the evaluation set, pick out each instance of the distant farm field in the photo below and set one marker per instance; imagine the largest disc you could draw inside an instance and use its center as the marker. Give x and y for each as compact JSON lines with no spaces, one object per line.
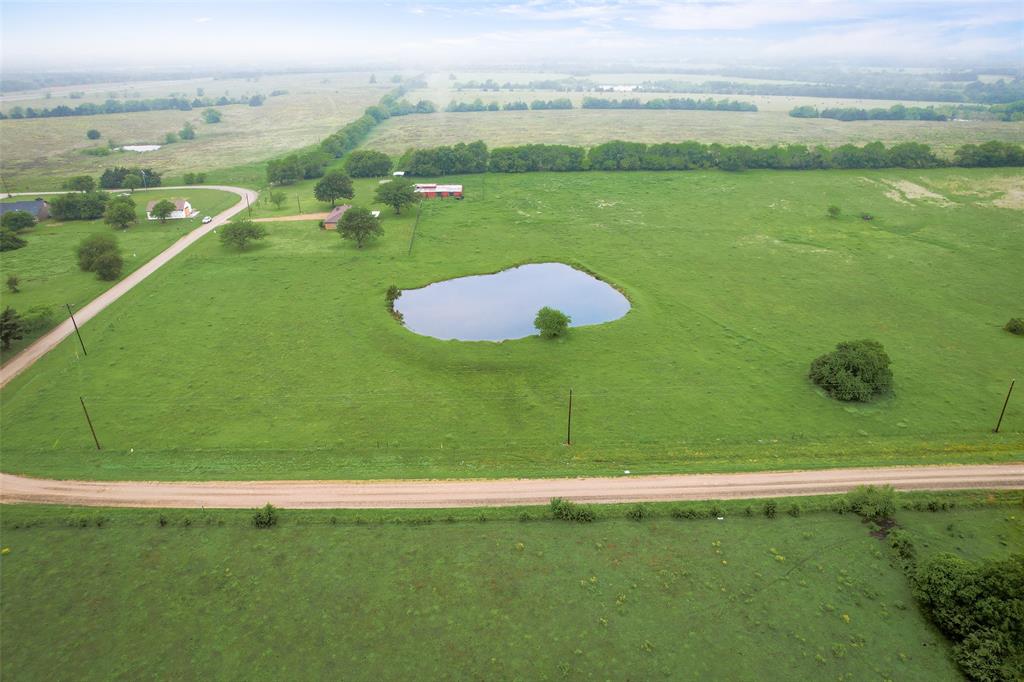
{"x":47,"y":266}
{"x":282,"y":362}
{"x":39,"y":153}
{"x":592,"y":126}
{"x":98,"y":594}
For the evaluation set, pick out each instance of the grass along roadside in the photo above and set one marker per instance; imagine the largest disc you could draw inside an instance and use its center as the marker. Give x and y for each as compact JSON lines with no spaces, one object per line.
{"x":814,"y":595}
{"x":48,"y":267}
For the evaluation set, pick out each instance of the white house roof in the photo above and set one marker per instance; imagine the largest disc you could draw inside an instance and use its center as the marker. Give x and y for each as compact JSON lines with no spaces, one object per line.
{"x":426,"y":187}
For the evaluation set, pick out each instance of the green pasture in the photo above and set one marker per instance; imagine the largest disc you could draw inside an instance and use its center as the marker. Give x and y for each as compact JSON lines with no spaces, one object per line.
{"x":282,"y":361}
{"x":48,"y":267}
{"x":101,"y":594}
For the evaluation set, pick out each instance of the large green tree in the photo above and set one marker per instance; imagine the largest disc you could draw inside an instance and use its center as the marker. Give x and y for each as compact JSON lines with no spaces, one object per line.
{"x":80,"y":183}
{"x":15,"y":221}
{"x":239,"y":234}
{"x":366,"y":163}
{"x":132,"y":182}
{"x":11,"y":327}
{"x":163,"y":209}
{"x":396,"y":194}
{"x":359,"y":225}
{"x":551,"y":322}
{"x":333,"y":186}
{"x":120,"y":212}
{"x":92,"y":247}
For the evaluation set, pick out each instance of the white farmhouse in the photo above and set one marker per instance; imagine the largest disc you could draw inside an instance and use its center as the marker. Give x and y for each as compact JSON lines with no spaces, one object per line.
{"x":182,"y":209}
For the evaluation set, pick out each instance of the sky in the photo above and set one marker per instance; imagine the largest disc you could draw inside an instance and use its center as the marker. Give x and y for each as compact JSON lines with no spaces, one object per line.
{"x":235,"y":33}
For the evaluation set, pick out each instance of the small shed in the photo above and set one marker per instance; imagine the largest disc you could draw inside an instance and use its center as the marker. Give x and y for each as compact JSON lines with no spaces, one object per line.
{"x":39,"y":209}
{"x":331,"y":221}
{"x":434,"y":191}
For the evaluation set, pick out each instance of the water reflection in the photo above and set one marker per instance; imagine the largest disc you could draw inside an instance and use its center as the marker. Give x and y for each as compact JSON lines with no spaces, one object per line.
{"x":502,"y":306}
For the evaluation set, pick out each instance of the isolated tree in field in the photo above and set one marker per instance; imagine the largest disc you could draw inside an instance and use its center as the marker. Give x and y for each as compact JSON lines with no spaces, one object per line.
{"x":92,"y":247}
{"x":11,"y":327}
{"x":132,"y":182}
{"x":187,"y":132}
{"x":15,"y":221}
{"x":1015,"y":326}
{"x":120,"y":212}
{"x":163,"y":209}
{"x":13,"y":284}
{"x":80,"y":183}
{"x":240,"y":234}
{"x":855,"y":370}
{"x":170,"y":138}
{"x":366,"y":163}
{"x":211,"y":116}
{"x":93,"y":134}
{"x":396,"y":194}
{"x":551,"y":323}
{"x":333,"y":186}
{"x":834,"y":211}
{"x":277,"y":198}
{"x":108,"y":265}
{"x":9,"y":241}
{"x":359,"y":225}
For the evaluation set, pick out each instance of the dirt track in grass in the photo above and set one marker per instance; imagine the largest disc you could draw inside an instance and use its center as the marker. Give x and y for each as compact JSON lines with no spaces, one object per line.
{"x":500,"y":492}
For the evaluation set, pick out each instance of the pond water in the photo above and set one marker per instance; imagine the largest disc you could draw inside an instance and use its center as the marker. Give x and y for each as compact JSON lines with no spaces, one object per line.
{"x":140,"y":147}
{"x":503,"y":305}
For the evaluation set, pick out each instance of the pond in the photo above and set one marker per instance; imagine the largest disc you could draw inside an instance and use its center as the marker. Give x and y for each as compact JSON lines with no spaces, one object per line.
{"x":502,"y":306}
{"x":140,"y":147}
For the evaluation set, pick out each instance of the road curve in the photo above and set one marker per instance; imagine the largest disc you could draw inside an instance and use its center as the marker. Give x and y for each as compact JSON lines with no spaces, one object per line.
{"x":44,"y":344}
{"x":499,"y":492}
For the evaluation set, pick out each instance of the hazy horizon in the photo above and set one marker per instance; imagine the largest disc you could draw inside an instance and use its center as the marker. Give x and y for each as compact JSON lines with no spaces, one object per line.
{"x":229,"y":34}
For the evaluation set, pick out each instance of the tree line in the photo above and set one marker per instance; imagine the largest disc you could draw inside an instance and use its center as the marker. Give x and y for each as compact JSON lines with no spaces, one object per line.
{"x":896,"y":112}
{"x":1001,"y":91}
{"x":475,"y":157}
{"x":685,"y":103}
{"x":312,"y":163}
{"x":986,"y":93}
{"x":478,"y":105}
{"x":113,"y":106}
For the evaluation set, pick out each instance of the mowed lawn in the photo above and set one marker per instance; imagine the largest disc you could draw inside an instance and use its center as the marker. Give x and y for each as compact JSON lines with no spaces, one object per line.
{"x":814,"y":597}
{"x":282,"y":362}
{"x":48,"y":265}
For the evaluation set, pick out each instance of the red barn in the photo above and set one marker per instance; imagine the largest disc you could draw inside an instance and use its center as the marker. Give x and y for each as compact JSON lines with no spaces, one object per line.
{"x":433,"y":191}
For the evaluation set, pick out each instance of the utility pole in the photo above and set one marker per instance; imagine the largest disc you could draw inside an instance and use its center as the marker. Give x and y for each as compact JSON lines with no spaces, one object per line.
{"x":247,"y":204}
{"x":1005,"y":402}
{"x":299,"y":202}
{"x":568,"y":429}
{"x":94,"y":438}
{"x":82,"y":343}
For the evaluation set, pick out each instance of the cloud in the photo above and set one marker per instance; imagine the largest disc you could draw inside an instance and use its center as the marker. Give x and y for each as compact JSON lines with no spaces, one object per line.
{"x":203,"y":20}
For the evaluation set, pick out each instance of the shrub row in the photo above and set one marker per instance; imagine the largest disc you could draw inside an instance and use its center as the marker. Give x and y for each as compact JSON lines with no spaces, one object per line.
{"x":617,"y":155}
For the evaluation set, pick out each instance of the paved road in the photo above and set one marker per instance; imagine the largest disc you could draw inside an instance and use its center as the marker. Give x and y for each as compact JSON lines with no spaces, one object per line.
{"x":23,"y":360}
{"x":500,"y":492}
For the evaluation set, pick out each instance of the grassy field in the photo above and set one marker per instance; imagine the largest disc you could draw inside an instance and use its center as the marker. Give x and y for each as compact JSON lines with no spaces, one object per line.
{"x":40,"y":153}
{"x":282,"y":362}
{"x":99,"y":594}
{"x":589,"y":126}
{"x":48,"y":268}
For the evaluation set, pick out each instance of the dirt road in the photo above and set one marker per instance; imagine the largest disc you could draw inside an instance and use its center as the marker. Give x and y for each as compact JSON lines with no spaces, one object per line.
{"x":292,"y":218}
{"x":41,"y":346}
{"x":501,"y":492}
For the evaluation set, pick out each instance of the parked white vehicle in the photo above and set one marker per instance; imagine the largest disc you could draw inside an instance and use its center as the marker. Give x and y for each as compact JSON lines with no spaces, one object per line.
{"x":206,"y":219}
